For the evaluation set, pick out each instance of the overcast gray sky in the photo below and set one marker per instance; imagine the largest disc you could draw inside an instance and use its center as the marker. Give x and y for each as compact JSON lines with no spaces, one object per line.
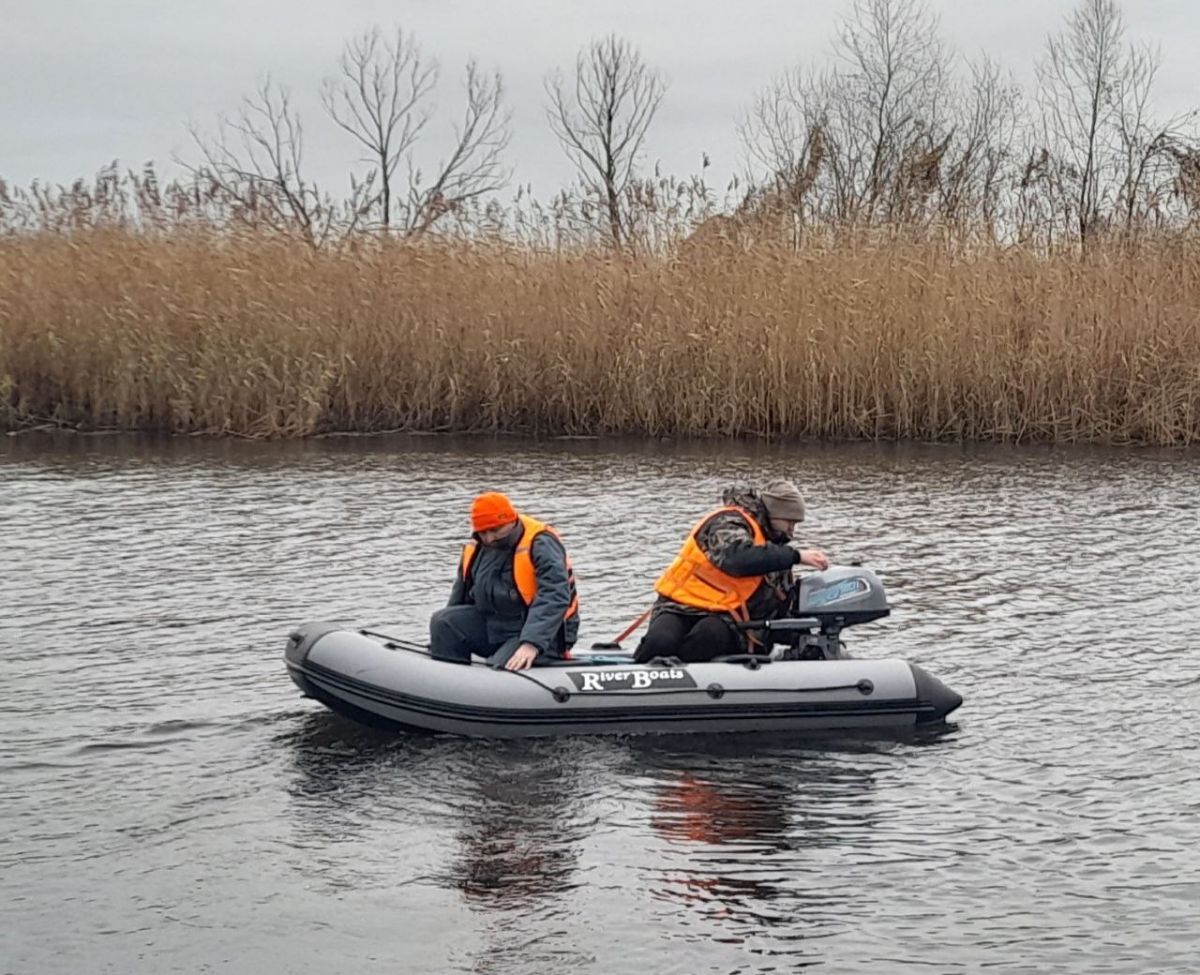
{"x":86,"y":81}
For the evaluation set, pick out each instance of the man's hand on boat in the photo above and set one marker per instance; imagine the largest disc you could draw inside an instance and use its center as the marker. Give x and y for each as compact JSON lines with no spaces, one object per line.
{"x":522,"y":658}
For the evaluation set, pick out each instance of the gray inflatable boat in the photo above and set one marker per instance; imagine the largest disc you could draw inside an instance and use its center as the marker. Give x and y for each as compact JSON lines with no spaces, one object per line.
{"x":807,"y":684}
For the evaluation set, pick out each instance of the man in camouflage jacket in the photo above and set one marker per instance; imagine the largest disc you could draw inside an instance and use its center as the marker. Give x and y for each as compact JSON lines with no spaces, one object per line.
{"x":728,"y":541}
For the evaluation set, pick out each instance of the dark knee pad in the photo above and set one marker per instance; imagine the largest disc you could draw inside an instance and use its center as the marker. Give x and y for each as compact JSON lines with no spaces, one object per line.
{"x":662,"y":639}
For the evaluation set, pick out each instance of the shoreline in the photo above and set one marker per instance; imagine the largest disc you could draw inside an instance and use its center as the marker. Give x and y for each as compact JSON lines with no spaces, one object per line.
{"x":604,"y":442}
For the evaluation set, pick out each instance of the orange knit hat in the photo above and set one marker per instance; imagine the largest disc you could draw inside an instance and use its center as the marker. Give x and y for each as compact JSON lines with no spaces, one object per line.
{"x":491,"y":510}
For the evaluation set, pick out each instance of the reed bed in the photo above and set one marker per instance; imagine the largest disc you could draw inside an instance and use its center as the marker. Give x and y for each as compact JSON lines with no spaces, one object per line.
{"x":263,"y":337}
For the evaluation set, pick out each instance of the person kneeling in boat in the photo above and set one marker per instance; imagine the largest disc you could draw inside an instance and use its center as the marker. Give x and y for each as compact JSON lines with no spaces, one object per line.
{"x":736,"y":565}
{"x":514,"y":599}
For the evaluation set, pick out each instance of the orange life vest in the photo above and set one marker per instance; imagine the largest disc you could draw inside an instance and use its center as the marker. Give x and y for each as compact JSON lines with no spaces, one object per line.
{"x":523,"y":573}
{"x":693,"y":580}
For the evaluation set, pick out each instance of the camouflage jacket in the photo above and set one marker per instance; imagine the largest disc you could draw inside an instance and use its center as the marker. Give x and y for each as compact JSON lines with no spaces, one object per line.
{"x":729,"y":542}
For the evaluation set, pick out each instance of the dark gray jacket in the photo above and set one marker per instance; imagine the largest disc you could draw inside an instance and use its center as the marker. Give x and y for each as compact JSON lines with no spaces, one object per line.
{"x":493,"y":591}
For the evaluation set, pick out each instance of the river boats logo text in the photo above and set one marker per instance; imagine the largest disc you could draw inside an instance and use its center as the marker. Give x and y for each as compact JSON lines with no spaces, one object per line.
{"x":839,"y":592}
{"x":630,"y":680}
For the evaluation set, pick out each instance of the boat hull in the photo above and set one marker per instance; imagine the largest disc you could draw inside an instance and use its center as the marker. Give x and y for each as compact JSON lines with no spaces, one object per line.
{"x":382,"y":683}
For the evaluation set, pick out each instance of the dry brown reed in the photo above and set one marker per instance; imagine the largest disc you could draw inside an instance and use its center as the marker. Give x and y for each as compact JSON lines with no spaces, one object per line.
{"x":264,"y":337}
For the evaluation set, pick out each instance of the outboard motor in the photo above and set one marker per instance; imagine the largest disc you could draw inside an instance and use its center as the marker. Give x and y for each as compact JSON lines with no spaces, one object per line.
{"x":824,"y":603}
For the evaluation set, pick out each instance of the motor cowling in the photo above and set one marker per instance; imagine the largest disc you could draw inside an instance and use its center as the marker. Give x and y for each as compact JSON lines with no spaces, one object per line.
{"x":842,"y":596}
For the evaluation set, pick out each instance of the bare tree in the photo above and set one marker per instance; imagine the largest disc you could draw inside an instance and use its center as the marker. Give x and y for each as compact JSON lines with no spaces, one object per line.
{"x":1148,"y":149}
{"x":1186,"y":186}
{"x":864,"y":139}
{"x":383,"y":97}
{"x":256,"y":163}
{"x":379,"y":99}
{"x":785,"y":132}
{"x":896,"y":69}
{"x":778,"y":129}
{"x":980,"y":164}
{"x":475,"y":166}
{"x":1140,"y":145}
{"x":1107,"y":161}
{"x":1081,"y":67}
{"x":602,"y":121}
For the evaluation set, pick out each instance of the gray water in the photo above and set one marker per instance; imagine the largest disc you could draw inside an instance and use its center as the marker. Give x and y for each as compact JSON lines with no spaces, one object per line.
{"x":168,"y":802}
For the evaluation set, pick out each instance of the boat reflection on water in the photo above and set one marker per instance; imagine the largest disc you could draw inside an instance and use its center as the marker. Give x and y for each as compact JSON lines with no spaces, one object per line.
{"x":353,"y":801}
{"x":515,"y":845}
{"x":769,"y":846}
{"x":490,"y":819}
{"x":695,"y":809}
{"x":433,"y":825}
{"x":754,"y":837}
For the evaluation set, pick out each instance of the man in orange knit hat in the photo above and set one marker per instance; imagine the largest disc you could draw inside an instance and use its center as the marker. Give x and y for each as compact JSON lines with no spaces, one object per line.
{"x":514,"y":598}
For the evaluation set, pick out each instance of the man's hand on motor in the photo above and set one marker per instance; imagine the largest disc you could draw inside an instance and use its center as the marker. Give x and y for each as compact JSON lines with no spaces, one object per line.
{"x":814,"y":557}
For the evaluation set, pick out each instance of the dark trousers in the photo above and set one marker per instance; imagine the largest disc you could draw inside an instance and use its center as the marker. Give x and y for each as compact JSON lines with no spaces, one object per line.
{"x":456,"y":632}
{"x":692,"y":637}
